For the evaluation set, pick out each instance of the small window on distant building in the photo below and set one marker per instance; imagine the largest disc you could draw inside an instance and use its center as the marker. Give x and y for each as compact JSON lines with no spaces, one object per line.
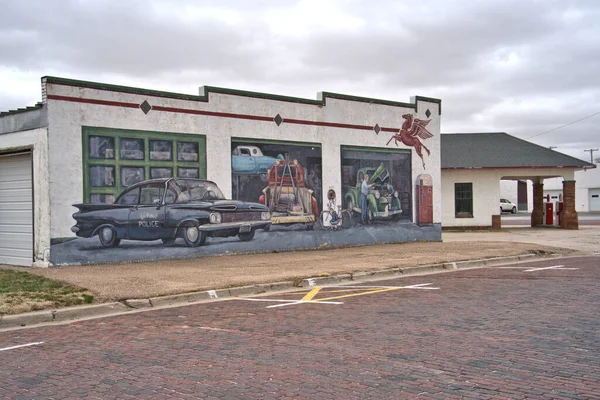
{"x":463,"y":200}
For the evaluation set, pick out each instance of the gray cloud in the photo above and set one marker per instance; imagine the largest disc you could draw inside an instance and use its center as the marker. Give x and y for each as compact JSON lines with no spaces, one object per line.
{"x":514,"y":66}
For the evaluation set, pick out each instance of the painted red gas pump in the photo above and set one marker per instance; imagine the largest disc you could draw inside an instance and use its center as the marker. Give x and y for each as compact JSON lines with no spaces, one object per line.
{"x":424,"y":199}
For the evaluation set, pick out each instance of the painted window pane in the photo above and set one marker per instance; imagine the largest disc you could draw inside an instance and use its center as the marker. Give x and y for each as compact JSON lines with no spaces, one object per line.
{"x":131,"y":175}
{"x":187,"y":151}
{"x":151,"y":194}
{"x":132,"y":149}
{"x":102,"y":147}
{"x":463,"y":199}
{"x":188,"y":172}
{"x":161,"y":150}
{"x":101,"y":175}
{"x":102,"y":198}
{"x":161,"y":173}
{"x":130,"y":197}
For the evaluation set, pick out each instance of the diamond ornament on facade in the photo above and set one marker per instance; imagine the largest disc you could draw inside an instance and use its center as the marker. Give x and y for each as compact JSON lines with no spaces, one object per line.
{"x":428,"y":113}
{"x":146,"y":107}
{"x":278,"y":120}
{"x":377,"y":129}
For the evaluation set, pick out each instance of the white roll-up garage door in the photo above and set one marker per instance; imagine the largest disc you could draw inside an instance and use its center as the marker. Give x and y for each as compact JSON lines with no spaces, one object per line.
{"x":594,"y":199}
{"x":16,"y":211}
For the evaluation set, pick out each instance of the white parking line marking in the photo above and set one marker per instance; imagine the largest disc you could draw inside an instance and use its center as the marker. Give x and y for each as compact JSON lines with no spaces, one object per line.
{"x":417,"y":286}
{"x":378,"y":289}
{"x":212,"y":294}
{"x":304,"y":302}
{"x":544,"y":268}
{"x":21,"y":345}
{"x":289,"y":302}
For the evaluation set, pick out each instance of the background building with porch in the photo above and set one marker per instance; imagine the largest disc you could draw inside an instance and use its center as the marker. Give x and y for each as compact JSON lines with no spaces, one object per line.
{"x":475,"y":164}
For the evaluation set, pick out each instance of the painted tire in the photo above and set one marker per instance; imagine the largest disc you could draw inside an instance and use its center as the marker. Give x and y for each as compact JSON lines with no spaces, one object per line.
{"x":350,"y":206}
{"x":108,"y":237}
{"x":192,"y":236}
{"x":370,"y":217}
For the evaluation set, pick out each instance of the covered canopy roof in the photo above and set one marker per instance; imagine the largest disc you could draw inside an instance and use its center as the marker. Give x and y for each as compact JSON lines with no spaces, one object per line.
{"x":501,"y":150}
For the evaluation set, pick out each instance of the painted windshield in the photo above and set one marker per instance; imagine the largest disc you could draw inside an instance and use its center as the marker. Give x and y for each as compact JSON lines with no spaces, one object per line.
{"x":188,"y":190}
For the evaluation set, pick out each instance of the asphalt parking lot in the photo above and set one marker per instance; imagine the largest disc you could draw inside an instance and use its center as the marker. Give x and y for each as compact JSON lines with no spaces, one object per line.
{"x":518,"y":331}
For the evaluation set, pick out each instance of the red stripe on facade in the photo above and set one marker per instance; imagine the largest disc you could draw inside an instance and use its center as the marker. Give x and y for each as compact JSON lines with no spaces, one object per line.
{"x":329,"y":124}
{"x":93,"y":101}
{"x":218,"y":114}
{"x":212,"y":113}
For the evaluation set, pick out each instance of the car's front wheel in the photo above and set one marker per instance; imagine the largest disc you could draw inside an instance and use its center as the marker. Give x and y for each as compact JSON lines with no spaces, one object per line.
{"x":108,"y":237}
{"x":246,"y":236}
{"x":514,"y":210}
{"x":193,"y":236}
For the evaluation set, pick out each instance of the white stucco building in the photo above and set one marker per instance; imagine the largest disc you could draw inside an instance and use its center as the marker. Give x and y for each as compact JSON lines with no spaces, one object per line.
{"x":85,"y":139}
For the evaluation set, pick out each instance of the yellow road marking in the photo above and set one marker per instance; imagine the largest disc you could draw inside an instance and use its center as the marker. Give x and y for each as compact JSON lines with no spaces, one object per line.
{"x":357,"y":294}
{"x":311,"y":294}
{"x":342,"y":291}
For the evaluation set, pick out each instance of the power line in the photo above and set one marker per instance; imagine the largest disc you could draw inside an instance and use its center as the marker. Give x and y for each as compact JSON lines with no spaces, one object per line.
{"x":562,"y":126}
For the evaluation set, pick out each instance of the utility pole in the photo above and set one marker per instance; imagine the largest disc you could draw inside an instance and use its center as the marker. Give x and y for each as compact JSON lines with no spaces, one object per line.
{"x":591,"y":154}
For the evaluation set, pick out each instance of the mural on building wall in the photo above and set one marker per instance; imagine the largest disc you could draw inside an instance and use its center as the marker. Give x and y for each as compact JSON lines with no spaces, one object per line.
{"x":376,"y":185}
{"x":148,"y":196}
{"x":411,"y":134}
{"x":283,"y":177}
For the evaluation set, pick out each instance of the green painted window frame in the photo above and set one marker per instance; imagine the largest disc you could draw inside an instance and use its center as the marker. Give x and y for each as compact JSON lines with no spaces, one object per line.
{"x":463,"y":200}
{"x":147,"y":163}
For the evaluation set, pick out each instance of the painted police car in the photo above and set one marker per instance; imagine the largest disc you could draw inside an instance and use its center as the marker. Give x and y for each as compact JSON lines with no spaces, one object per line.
{"x":170,"y":208}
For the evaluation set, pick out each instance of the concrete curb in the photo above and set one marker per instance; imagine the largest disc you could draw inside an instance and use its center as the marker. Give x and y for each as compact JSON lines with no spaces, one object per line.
{"x":62,"y":314}
{"x":108,"y":309}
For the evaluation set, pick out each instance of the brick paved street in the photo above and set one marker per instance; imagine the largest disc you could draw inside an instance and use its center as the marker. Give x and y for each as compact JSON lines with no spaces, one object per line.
{"x":501,"y":333}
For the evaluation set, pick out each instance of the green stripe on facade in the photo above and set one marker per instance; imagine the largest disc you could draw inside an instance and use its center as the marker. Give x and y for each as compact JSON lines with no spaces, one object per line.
{"x":377,"y":149}
{"x":269,"y":141}
{"x":213,"y":89}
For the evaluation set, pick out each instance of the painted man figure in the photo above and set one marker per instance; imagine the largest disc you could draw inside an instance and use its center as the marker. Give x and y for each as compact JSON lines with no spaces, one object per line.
{"x":364,"y":191}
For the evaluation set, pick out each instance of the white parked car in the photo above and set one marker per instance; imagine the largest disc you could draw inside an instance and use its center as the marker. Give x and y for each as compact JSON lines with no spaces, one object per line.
{"x":507,"y":205}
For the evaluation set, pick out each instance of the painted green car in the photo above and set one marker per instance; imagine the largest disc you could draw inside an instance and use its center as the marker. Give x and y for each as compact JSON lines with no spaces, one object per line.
{"x":382,"y":200}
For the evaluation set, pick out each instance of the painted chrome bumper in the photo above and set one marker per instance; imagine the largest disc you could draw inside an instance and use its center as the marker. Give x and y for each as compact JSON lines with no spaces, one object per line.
{"x":243,"y":226}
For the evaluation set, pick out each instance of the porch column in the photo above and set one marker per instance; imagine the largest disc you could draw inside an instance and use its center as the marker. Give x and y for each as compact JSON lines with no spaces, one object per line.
{"x":568,"y":217}
{"x":537,"y":214}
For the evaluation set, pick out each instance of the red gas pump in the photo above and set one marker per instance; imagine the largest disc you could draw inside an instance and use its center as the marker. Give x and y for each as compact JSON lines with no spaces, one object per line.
{"x":549,"y":211}
{"x":424,"y":199}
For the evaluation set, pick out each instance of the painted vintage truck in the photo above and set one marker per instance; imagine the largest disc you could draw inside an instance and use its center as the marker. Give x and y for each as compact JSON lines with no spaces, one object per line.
{"x":382,"y":201}
{"x":287,"y":197}
{"x":250,"y":160}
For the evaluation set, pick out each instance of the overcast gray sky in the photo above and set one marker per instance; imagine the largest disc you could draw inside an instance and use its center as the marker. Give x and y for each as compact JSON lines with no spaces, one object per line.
{"x":518,"y":66}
